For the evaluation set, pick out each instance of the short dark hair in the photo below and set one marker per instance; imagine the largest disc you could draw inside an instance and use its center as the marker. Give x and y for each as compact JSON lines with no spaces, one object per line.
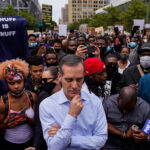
{"x":102,"y":38}
{"x":35,"y":61}
{"x":70,"y":60}
{"x":53,"y":71}
{"x":57,"y":41}
{"x":110,"y":56}
{"x":30,"y":35}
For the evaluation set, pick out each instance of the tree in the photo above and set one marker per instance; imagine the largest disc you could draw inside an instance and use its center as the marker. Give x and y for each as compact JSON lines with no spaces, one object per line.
{"x":9,"y":11}
{"x":134,"y":10}
{"x":31,"y":19}
{"x":74,"y":26}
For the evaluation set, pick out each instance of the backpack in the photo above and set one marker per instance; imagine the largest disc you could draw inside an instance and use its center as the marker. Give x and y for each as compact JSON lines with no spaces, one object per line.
{"x":6,"y":102}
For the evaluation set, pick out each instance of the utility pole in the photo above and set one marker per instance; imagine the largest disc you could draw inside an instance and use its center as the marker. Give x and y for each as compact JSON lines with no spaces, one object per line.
{"x":147,"y":14}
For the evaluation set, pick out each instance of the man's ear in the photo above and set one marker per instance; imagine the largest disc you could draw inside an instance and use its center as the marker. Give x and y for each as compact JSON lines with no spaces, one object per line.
{"x":59,"y":76}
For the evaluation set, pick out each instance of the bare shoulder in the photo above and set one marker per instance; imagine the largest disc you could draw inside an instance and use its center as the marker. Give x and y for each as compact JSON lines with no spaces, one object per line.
{"x":34,"y":97}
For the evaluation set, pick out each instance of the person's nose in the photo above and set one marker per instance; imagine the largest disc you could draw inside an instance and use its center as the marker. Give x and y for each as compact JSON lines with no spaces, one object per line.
{"x":74,"y":85}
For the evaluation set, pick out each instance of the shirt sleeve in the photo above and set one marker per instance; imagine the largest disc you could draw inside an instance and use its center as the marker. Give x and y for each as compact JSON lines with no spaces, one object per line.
{"x":99,"y":137}
{"x":62,"y":139}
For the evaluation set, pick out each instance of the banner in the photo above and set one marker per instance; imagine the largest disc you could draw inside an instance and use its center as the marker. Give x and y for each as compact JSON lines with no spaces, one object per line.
{"x":13,"y":38}
{"x":47,"y":14}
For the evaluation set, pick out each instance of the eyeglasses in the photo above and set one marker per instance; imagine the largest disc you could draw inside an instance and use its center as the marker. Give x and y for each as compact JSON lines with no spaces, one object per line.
{"x":46,"y":79}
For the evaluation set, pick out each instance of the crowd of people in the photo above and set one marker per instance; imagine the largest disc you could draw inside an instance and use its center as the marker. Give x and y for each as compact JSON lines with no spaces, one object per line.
{"x":77,"y":92}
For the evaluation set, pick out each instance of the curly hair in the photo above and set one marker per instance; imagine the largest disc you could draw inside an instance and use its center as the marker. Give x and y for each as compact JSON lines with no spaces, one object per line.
{"x":20,"y":65}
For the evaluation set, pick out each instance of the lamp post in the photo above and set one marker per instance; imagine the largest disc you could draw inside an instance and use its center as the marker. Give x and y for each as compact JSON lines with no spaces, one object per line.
{"x":147,"y":14}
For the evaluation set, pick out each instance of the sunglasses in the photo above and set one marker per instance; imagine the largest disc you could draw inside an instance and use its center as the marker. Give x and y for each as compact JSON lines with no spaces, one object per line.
{"x":46,"y":79}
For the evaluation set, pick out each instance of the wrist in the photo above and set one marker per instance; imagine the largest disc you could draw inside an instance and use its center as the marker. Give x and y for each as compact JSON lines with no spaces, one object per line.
{"x":124,"y":135}
{"x":72,"y":114}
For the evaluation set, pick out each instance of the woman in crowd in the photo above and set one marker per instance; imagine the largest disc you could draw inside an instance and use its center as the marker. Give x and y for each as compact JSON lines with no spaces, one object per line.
{"x":123,"y":63}
{"x":16,"y":107}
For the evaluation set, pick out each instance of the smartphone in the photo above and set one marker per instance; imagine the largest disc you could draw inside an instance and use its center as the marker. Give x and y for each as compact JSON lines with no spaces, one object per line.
{"x":90,"y":51}
{"x":135,"y":127}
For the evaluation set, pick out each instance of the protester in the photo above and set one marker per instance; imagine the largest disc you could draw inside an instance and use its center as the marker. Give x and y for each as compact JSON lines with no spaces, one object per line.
{"x":75,"y":118}
{"x":50,"y":86}
{"x":122,"y":112}
{"x":58,"y":49}
{"x":72,"y":47}
{"x":16,"y":107}
{"x":32,"y":44}
{"x":144,"y":88}
{"x":113,"y":77}
{"x":51,"y":58}
{"x":95,"y":77}
{"x":34,"y":81}
{"x":132,"y":75}
{"x":123,"y":63}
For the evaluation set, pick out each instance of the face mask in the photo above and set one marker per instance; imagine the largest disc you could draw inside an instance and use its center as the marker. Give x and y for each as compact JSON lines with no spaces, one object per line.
{"x":132,"y":44}
{"x":124,"y":56}
{"x":52,"y":64}
{"x":117,"y":42}
{"x":108,"y":48}
{"x":145,"y":61}
{"x":32,"y":44}
{"x":17,"y":94}
{"x":145,"y":40}
{"x":48,"y":87}
{"x":71,"y":51}
{"x":110,"y":70}
{"x":57,"y":50}
{"x":102,"y":49}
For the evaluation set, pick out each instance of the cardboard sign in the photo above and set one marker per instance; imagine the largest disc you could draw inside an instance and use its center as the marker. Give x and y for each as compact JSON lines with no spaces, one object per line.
{"x":62,"y":30}
{"x":139,"y":22}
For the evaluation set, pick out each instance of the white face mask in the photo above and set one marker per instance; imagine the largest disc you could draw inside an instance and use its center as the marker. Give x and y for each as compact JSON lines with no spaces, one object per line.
{"x":145,"y":40}
{"x":145,"y":61}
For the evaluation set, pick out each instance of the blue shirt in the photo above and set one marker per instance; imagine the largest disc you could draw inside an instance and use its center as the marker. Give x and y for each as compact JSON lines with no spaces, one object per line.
{"x":87,"y":131}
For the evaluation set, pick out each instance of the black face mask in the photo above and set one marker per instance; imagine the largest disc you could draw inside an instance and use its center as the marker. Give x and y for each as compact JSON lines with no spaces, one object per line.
{"x":57,"y":50}
{"x":111,"y":69}
{"x":124,"y":57}
{"x":71,"y":51}
{"x":48,"y":87}
{"x":102,"y":50}
{"x":53,"y":64}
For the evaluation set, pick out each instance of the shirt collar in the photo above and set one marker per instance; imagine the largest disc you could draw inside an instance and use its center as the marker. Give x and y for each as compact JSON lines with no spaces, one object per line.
{"x":63,"y":99}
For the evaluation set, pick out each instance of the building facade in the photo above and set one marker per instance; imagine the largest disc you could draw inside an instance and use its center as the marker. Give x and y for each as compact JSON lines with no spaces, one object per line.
{"x":32,"y":6}
{"x":80,"y":9}
{"x":64,"y":15}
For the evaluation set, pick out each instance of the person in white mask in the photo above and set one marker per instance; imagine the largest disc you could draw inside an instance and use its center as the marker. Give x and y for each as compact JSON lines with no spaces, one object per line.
{"x":145,"y":39}
{"x":132,"y":75}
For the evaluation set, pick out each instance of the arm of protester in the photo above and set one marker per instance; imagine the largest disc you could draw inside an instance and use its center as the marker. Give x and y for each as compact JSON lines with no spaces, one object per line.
{"x":53,"y":131}
{"x":62,"y":138}
{"x":113,"y":130}
{"x":99,"y":135}
{"x":30,"y":148}
{"x":139,"y":136}
{"x":97,"y":51}
{"x":81,"y":50}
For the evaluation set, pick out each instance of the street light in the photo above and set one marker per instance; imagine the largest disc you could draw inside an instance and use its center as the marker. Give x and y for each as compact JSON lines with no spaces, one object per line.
{"x":147,"y":14}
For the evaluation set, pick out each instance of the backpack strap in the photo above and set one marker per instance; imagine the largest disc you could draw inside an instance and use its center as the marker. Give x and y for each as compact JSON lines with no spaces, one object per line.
{"x":30,"y":97}
{"x":140,"y":70}
{"x":6,"y":103}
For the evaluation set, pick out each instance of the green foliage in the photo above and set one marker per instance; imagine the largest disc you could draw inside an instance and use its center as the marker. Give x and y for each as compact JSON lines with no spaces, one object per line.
{"x":74,"y":26}
{"x":114,"y":15}
{"x":134,"y":10}
{"x":31,"y":19}
{"x":8,"y":11}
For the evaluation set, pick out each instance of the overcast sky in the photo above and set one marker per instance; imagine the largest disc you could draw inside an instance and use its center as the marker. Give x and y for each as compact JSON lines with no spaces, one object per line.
{"x":57,"y":5}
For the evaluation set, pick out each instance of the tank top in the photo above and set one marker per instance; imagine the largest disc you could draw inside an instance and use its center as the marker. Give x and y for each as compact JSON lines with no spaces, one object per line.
{"x":21,"y":133}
